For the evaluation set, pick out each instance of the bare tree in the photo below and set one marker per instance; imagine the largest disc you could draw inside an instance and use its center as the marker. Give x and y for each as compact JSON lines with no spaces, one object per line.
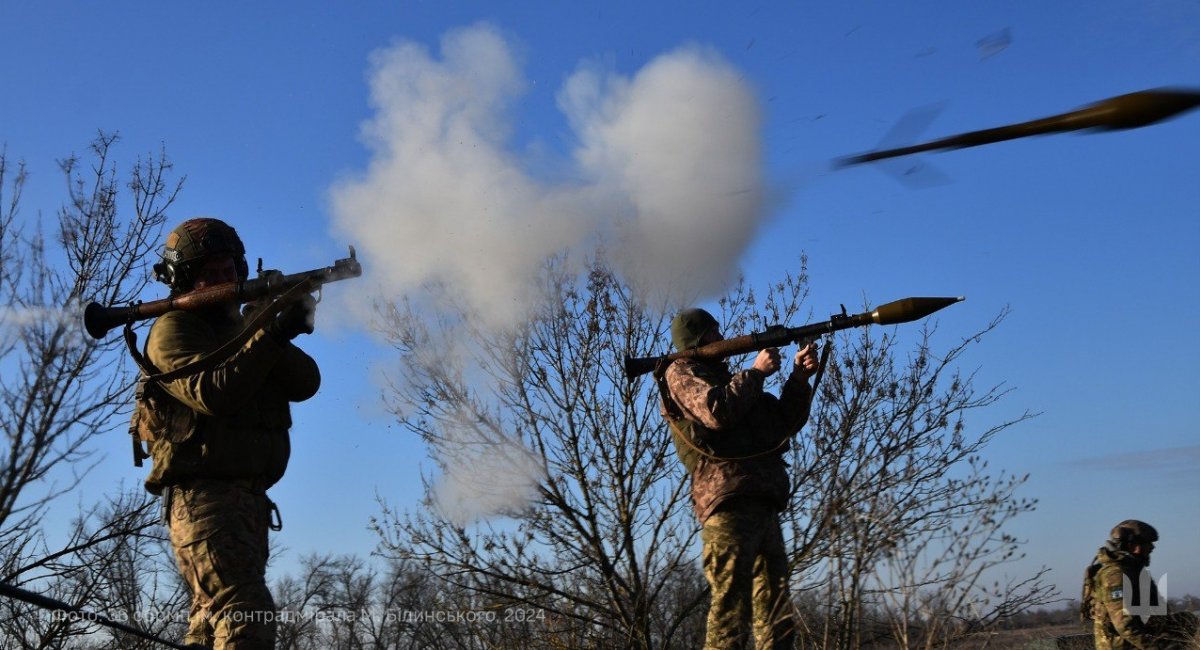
{"x":59,"y":388}
{"x":128,"y":577}
{"x":608,"y":529}
{"x":343,"y":603}
{"x":913,"y":520}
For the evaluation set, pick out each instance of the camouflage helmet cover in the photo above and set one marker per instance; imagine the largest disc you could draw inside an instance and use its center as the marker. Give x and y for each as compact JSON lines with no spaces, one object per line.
{"x":194,"y":241}
{"x":689,"y":326}
{"x":1132,"y":530}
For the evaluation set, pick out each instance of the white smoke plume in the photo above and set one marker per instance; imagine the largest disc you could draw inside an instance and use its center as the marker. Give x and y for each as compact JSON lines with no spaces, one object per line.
{"x":486,"y":472}
{"x":666,"y":174}
{"x":14,"y":319}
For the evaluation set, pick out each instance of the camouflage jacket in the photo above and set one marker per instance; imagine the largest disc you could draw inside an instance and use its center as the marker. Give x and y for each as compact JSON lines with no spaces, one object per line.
{"x":730,"y":434}
{"x":1104,"y":598}
{"x":232,"y":420}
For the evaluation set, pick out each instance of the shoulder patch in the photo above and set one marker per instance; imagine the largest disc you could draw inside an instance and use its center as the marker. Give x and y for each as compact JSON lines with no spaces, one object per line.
{"x":1116,"y":594}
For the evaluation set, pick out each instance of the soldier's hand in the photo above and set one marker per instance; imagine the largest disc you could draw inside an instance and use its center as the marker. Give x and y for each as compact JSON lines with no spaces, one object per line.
{"x":253,"y":308}
{"x":296,"y":318}
{"x":767,"y":361}
{"x":806,"y":361}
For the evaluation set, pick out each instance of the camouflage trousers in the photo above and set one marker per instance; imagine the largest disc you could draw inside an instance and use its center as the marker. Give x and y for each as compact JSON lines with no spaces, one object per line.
{"x":219,"y":533}
{"x":1177,"y":631}
{"x":746,"y":567}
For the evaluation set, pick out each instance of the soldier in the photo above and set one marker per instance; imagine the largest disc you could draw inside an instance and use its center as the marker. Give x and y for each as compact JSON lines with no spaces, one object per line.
{"x":218,"y":435}
{"x":731,"y":436}
{"x":1113,"y":584}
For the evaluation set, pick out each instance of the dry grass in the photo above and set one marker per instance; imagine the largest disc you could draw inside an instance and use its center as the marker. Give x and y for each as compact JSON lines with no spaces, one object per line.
{"x":1050,"y":637}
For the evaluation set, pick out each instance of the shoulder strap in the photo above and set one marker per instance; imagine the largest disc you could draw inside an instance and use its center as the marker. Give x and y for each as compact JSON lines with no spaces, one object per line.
{"x":825,"y":352}
{"x":147,"y":369}
{"x":143,"y":364}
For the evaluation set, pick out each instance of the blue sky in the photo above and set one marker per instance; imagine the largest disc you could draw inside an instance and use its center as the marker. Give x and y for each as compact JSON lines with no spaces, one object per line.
{"x":1090,"y":239}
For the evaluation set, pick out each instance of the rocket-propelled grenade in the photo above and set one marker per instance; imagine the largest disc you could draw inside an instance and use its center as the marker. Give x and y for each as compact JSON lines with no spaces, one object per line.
{"x":98,"y":319}
{"x":1122,"y":112}
{"x":899,"y":311}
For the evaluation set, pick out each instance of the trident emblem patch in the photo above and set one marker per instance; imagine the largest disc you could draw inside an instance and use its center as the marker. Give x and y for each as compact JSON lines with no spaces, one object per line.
{"x":1154,"y":603}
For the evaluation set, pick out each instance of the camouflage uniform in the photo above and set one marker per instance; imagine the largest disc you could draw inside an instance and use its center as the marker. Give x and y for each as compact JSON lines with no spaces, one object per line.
{"x":746,"y":567}
{"x":219,"y":439}
{"x":1104,"y":599}
{"x":731,"y":436}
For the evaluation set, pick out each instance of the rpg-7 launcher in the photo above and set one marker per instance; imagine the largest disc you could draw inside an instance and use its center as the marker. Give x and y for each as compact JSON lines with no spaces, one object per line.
{"x":98,"y":320}
{"x":900,"y":311}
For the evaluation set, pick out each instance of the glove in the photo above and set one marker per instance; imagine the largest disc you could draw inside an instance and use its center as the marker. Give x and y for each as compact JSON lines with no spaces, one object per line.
{"x":295,"y":319}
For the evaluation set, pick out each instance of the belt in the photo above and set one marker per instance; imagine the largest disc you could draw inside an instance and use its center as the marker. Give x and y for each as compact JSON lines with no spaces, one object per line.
{"x":257,"y":485}
{"x":253,"y":484}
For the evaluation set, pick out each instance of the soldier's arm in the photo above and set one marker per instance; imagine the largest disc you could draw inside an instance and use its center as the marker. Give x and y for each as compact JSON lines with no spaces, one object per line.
{"x":710,"y":402}
{"x":795,"y":401}
{"x":179,"y":338}
{"x":796,"y":398}
{"x":1112,"y":597}
{"x":296,"y":374}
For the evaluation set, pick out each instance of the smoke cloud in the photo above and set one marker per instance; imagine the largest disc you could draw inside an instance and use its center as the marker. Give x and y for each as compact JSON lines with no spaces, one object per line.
{"x":486,"y":472}
{"x":14,"y":319}
{"x":665,"y":175}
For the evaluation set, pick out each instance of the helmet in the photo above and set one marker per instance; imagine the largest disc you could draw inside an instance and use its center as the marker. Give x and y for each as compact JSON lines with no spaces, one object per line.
{"x":689,"y":326}
{"x":1132,"y":530}
{"x":192,"y":243}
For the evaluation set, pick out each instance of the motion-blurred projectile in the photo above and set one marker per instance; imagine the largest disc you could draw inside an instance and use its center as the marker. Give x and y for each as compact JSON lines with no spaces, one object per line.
{"x":1122,"y":112}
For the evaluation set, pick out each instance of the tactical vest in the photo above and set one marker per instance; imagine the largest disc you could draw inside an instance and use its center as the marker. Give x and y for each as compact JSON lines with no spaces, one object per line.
{"x":185,"y":444}
{"x":745,"y":460}
{"x":694,"y":441}
{"x":759,"y":433}
{"x":156,"y":415}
